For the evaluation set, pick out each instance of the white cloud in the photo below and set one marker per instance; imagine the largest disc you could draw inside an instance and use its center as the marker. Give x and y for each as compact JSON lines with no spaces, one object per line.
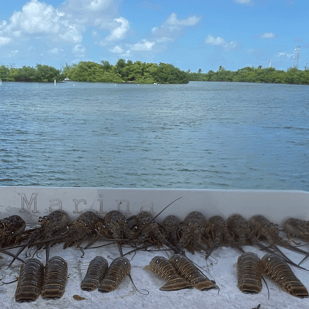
{"x":116,"y":50}
{"x":284,"y":54}
{"x":231,"y":45}
{"x":88,"y":5}
{"x":145,"y":46}
{"x":17,"y":33}
{"x":36,"y":17}
{"x":67,"y":23}
{"x":126,"y":54}
{"x":121,"y":27}
{"x":211,"y":40}
{"x":2,"y":23}
{"x":84,"y":13}
{"x":13,"y":53}
{"x":173,"y":23}
{"x":4,"y":40}
{"x":55,"y":51}
{"x":245,"y":2}
{"x":218,"y":41}
{"x":71,"y":35}
{"x":190,"y":21}
{"x":172,"y":28}
{"x":98,"y":5}
{"x":267,"y":35}
{"x":79,"y":50}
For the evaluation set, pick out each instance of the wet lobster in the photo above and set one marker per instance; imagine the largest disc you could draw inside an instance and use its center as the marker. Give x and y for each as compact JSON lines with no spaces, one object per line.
{"x":52,"y":225}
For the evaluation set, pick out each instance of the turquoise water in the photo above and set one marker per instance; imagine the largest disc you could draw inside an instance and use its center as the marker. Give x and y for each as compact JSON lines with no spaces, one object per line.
{"x":200,"y":135}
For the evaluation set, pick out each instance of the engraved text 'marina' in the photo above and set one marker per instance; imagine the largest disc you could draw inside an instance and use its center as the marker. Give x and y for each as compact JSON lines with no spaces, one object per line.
{"x":76,"y":205}
{"x":100,"y":200}
{"x":148,"y":207}
{"x":123,"y":203}
{"x":24,"y":201}
{"x":55,"y":202}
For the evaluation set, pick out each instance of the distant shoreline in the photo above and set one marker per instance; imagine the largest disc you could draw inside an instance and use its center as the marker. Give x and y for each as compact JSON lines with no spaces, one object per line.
{"x":254,"y":75}
{"x":156,"y":84}
{"x":228,"y":81}
{"x":93,"y":82}
{"x":88,"y":71}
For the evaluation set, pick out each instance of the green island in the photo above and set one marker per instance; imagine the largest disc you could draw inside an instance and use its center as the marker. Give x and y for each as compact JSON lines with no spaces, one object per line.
{"x":148,"y":73}
{"x":254,"y":75}
{"x":87,"y":71}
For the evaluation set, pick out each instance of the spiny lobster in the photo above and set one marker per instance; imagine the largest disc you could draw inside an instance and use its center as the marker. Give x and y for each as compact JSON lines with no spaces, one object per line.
{"x":164,"y":268}
{"x":279,"y":271}
{"x":30,"y":281}
{"x":249,"y":273}
{"x":190,"y":272}
{"x":193,"y":231}
{"x":55,"y":278}
{"x":220,"y":233}
{"x":88,"y":224}
{"x":116,"y":273}
{"x":52,"y":225}
{"x":11,"y":229}
{"x":149,"y":232}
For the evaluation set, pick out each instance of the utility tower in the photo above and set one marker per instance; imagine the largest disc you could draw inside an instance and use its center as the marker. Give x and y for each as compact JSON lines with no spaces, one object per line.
{"x":296,"y":56}
{"x":269,"y":65}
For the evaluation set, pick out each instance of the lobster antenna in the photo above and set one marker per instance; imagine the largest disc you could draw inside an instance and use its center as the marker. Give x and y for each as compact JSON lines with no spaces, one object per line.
{"x":165,"y":208}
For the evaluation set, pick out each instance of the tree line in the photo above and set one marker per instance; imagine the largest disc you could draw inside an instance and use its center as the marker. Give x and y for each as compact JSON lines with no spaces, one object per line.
{"x":125,"y":71}
{"x":41,"y":73}
{"x":148,"y":73}
{"x":254,"y":75}
{"x":88,"y":71}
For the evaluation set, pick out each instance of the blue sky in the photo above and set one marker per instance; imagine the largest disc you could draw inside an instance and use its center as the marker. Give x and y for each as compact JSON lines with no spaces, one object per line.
{"x":188,"y":34}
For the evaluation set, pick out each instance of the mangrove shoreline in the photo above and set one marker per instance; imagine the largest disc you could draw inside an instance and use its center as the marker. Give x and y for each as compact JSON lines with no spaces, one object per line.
{"x":127,"y":72}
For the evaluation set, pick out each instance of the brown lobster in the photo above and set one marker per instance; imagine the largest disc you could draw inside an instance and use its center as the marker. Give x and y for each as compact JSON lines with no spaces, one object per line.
{"x":88,"y":224}
{"x":220,"y":233}
{"x":149,"y":232}
{"x":193,"y":231}
{"x":52,"y":225}
{"x":11,"y":230}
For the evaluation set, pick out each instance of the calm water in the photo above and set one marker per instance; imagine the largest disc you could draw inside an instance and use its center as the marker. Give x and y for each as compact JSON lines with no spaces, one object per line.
{"x":200,"y":135}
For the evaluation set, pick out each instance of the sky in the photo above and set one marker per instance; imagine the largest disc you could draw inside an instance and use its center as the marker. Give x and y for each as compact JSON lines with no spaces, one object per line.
{"x":198,"y":34}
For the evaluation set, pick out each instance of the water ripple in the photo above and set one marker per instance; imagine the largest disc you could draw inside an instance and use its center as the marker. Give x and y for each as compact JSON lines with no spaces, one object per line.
{"x":201,"y":135}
